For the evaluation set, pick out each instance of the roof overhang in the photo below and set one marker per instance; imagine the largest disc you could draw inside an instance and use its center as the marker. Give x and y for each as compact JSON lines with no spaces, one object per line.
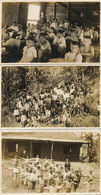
{"x":43,"y":139}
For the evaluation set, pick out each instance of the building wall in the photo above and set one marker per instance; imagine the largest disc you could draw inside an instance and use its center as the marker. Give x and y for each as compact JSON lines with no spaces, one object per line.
{"x":49,"y":11}
{"x":45,"y":150}
{"x":58,"y":151}
{"x":23,"y":13}
{"x":18,"y":12}
{"x":10,"y":13}
{"x":22,"y":145}
{"x":88,"y":11}
{"x":61,"y":12}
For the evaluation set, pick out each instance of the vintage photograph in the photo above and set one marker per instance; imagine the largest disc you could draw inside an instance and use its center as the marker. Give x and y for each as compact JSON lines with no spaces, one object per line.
{"x":50,"y":32}
{"x":50,"y":96}
{"x":40,"y":162}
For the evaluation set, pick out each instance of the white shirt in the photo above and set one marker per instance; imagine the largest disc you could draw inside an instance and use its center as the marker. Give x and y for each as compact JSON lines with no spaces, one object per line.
{"x":29,"y":54}
{"x":61,"y":41}
{"x":73,"y":57}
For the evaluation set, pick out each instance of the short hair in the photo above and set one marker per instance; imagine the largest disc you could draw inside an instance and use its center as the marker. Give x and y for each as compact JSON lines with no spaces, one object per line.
{"x":87,"y":37}
{"x":14,"y":22}
{"x":75,"y":43}
{"x":42,"y":34}
{"x":52,"y":28}
{"x":30,"y":38}
{"x":60,"y":31}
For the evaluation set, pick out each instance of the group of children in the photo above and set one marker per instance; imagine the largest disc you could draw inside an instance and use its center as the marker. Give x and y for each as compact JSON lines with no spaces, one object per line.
{"x":56,"y":105}
{"x":44,"y":175}
{"x":53,"y":39}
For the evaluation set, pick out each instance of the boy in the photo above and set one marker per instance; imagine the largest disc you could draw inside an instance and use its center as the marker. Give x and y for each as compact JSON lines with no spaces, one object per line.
{"x":89,"y":181}
{"x":44,"y":48}
{"x":87,"y":51}
{"x":29,"y":51}
{"x":74,"y":55}
{"x":66,"y":24}
{"x":23,"y":118}
{"x":60,"y":44}
{"x":54,"y":24}
{"x":16,"y":113}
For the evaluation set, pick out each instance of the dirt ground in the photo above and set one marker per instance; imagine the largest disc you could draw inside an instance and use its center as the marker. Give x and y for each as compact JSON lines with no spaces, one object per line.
{"x":76,"y":121}
{"x":7,"y":178}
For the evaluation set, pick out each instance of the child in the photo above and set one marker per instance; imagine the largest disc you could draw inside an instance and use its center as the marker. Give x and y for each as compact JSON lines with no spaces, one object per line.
{"x":54,"y":24}
{"x":29,"y":51}
{"x":23,"y":118}
{"x":44,"y":48}
{"x":60,"y":43}
{"x":16,"y":113}
{"x":74,"y":55}
{"x":15,"y":174}
{"x":67,"y":165}
{"x":51,"y":33}
{"x":87,"y":50}
{"x":66,"y":24}
{"x":89,"y":181}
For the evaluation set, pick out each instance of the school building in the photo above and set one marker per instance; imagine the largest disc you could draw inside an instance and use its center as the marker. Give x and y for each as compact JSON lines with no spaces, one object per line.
{"x":53,"y":145}
{"x":83,"y":13}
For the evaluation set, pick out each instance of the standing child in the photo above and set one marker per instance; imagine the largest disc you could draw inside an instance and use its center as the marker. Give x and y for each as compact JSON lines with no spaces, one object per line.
{"x":23,"y":118}
{"x":16,"y":113}
{"x":89,"y":181}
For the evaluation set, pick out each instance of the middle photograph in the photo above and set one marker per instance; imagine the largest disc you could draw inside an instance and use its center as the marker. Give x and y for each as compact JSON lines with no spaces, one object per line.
{"x":50,"y":96}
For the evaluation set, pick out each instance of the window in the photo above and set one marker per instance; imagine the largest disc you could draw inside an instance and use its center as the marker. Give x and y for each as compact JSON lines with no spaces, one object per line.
{"x":67,"y":149}
{"x":33,"y":13}
{"x":12,"y":147}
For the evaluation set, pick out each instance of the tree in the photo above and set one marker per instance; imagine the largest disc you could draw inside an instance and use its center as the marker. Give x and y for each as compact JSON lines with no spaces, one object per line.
{"x":94,"y":145}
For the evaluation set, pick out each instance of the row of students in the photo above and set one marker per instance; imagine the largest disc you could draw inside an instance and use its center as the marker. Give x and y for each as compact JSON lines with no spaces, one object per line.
{"x":44,"y":175}
{"x":50,"y":43}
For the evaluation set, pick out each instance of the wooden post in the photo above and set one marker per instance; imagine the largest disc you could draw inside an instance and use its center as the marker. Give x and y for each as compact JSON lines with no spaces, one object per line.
{"x":52,"y":146}
{"x":31,"y":152}
{"x":4,"y":149}
{"x":55,"y":11}
{"x":67,"y":9}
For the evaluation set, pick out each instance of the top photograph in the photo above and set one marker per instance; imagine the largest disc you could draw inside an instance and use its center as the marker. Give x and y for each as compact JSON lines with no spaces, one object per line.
{"x":50,"y":32}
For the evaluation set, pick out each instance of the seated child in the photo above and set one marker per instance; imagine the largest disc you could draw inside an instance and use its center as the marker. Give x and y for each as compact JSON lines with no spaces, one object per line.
{"x":60,"y":42}
{"x":54,"y":24}
{"x":44,"y":48}
{"x":87,"y":50}
{"x":61,"y":25}
{"x":51,"y":35}
{"x":74,"y":55}
{"x":29,"y":51}
{"x":14,"y":26}
{"x":66,"y":24}
{"x":88,"y":32}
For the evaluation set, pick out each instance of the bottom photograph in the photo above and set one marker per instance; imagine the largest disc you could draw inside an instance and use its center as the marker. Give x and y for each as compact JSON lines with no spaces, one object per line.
{"x":51,"y":162}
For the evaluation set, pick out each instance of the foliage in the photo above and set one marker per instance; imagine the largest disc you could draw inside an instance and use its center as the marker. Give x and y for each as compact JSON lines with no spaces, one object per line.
{"x":16,"y":81}
{"x":94,"y":146}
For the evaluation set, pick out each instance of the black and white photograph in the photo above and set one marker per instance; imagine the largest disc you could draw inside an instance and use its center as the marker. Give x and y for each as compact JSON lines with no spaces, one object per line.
{"x":51,"y":162}
{"x":50,"y":96}
{"x":50,"y":32}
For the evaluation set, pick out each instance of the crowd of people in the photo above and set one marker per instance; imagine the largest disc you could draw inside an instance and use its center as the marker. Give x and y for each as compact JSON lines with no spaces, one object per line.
{"x":56,"y":105}
{"x":46,"y":41}
{"x":44,"y":175}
